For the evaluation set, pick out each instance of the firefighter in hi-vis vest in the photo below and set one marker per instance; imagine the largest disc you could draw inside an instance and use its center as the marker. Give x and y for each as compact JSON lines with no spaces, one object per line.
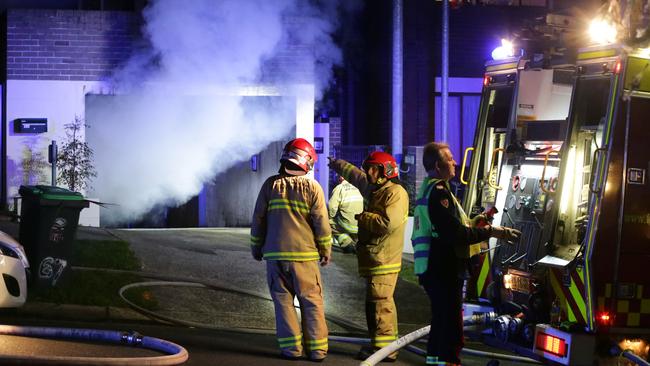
{"x":291,"y":231}
{"x":345,"y":203}
{"x":442,"y":236}
{"x":381,"y":241}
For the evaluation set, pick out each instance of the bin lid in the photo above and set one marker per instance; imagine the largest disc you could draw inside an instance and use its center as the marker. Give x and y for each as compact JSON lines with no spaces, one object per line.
{"x":50,"y":193}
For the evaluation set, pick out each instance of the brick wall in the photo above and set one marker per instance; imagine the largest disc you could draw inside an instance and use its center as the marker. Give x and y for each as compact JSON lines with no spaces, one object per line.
{"x":67,"y":44}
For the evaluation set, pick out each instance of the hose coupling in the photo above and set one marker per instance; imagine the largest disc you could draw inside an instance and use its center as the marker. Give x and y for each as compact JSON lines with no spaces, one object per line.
{"x":132,"y":338}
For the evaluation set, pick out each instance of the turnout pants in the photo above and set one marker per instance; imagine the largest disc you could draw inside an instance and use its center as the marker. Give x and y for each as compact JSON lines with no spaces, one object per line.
{"x":381,"y":313}
{"x":288,"y":280}
{"x":446,"y":335}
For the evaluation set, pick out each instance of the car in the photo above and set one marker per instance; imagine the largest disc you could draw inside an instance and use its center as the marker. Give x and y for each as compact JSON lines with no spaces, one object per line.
{"x":14,"y":267}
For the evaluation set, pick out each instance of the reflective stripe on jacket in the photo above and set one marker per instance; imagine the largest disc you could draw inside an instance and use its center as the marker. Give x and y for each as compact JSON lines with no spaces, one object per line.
{"x":381,"y":225}
{"x":290,"y":220}
{"x":346,"y":201}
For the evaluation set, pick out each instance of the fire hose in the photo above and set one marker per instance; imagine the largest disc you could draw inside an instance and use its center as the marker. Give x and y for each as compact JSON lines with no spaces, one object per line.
{"x":404,"y":342}
{"x":422,"y":332}
{"x":175,"y":354}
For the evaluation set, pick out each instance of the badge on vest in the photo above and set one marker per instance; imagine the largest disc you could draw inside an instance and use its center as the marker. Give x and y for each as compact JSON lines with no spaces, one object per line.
{"x":444,"y":202}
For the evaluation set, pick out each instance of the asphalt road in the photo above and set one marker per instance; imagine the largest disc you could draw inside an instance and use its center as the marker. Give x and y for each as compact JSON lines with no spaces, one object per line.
{"x":221,"y":257}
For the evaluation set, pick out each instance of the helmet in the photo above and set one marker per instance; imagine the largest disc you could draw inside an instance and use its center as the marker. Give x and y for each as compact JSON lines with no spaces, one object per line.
{"x":386,"y":160}
{"x":300,"y":152}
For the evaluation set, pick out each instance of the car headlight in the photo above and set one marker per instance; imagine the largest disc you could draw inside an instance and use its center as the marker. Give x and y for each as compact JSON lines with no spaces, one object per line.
{"x":17,"y":252}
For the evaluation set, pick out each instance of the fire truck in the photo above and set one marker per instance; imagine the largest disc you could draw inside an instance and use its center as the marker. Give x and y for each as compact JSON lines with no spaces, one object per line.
{"x":562,"y":153}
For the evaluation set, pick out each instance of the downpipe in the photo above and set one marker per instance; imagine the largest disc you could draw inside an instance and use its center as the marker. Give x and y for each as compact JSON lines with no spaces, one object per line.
{"x":175,"y":354}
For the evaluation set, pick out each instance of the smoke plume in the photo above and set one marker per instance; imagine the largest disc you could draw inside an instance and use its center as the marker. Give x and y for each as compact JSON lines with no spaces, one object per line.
{"x":176,"y":121}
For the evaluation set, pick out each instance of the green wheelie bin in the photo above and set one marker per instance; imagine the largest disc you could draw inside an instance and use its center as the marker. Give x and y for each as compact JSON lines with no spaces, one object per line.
{"x":49,"y":217}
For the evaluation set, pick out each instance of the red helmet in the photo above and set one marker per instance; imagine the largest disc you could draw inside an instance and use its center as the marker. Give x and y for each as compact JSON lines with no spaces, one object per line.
{"x":386,"y":160}
{"x":300,"y":152}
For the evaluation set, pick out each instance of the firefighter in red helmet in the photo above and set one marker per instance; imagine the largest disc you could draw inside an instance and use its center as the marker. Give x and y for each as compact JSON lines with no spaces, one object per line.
{"x":380,"y":243}
{"x":291,"y":231}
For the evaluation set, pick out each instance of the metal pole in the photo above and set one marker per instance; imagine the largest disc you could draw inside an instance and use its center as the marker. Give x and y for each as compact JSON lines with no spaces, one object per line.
{"x":444,"y":111}
{"x":397,"y":97}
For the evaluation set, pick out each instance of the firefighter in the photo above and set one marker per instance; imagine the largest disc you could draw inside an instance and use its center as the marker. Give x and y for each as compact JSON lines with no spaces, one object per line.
{"x":381,"y":240}
{"x":291,"y":231}
{"x":442,"y":236}
{"x":345,"y":203}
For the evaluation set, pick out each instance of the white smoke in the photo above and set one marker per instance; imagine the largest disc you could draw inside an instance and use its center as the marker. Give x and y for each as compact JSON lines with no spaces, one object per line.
{"x":168,"y":131}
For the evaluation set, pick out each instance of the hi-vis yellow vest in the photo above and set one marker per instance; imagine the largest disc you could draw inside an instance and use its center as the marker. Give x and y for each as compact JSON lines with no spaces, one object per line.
{"x":424,"y":231}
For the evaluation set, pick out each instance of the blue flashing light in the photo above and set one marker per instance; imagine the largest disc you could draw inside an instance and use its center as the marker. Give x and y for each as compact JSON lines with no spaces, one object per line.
{"x":504,"y":51}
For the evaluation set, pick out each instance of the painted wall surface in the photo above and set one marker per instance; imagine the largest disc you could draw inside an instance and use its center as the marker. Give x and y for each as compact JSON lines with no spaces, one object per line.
{"x":464,"y":102}
{"x":58,"y":101}
{"x":230,"y":198}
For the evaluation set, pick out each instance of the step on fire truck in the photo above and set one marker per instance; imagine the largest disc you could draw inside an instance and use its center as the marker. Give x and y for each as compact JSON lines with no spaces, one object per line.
{"x":562,"y":153}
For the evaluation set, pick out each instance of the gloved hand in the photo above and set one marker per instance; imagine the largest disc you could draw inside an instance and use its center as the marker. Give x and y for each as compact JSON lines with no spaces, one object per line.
{"x":478,"y":219}
{"x":330,"y":160}
{"x":324,"y":260}
{"x":256,"y":251}
{"x":502,"y":232}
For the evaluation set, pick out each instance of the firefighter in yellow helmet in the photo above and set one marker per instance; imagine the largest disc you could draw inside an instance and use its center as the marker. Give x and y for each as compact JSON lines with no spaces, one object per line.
{"x":381,"y":241}
{"x":291,"y":231}
{"x":345,"y":203}
{"x":442,"y":237}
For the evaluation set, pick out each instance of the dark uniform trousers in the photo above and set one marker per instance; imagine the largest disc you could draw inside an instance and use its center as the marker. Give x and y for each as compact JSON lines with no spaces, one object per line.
{"x":446,"y":335}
